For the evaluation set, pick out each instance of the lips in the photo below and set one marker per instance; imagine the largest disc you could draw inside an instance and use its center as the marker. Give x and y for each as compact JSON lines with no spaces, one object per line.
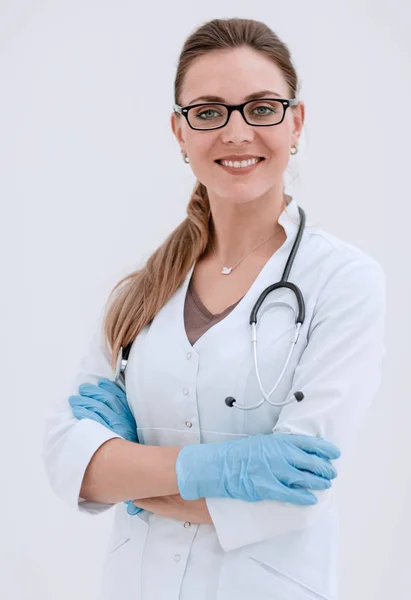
{"x":240,"y":171}
{"x":219,"y":161}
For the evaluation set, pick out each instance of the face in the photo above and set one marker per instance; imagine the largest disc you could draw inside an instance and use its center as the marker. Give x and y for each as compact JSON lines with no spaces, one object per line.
{"x":227,"y":74}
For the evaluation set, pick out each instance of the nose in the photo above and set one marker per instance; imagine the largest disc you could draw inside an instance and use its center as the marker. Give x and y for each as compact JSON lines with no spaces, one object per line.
{"x":237,"y":129}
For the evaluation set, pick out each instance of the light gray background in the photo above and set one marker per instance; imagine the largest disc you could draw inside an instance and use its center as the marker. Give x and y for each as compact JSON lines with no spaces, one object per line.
{"x":92,"y":181}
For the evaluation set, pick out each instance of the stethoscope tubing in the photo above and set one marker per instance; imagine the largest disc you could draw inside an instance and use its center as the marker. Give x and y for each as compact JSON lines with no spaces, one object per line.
{"x":283,"y":283}
{"x":122,"y":359}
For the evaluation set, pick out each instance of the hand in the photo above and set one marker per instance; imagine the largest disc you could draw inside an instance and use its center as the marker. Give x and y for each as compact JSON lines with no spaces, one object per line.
{"x":259,"y":467}
{"x":175,"y":507}
{"x":107,"y":404}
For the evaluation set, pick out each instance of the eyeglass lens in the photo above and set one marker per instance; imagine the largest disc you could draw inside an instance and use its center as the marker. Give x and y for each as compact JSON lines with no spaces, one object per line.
{"x":261,"y":112}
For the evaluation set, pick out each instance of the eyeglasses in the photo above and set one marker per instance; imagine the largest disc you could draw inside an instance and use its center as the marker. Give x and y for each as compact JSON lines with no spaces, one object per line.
{"x":263,"y":112}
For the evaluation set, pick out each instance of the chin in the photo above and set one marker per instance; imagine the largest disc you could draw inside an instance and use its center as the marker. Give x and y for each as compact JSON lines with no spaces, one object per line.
{"x":241,"y":193}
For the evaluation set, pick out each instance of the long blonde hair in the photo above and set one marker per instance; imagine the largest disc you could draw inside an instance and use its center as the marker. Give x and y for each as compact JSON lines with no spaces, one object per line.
{"x":138,"y":297}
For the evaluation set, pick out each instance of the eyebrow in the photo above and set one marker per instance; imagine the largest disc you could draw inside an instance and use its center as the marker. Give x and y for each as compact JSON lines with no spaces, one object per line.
{"x":252,"y":96}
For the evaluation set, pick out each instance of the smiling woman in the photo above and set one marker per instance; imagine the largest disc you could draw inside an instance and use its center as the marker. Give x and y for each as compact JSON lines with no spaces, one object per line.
{"x":255,"y":516}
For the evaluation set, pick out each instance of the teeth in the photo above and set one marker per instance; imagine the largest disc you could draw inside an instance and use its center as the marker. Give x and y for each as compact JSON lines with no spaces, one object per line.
{"x":239,"y":164}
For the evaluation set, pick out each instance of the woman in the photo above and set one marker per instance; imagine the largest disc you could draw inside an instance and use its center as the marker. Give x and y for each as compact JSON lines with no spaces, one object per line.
{"x":230,"y":504}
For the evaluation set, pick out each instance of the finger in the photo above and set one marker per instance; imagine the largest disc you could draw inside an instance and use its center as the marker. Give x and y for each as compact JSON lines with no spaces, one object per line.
{"x":90,"y":390}
{"x":82,"y":413}
{"x":90,"y":404}
{"x":294,"y":478}
{"x":123,"y":425}
{"x":98,"y":408}
{"x":312,"y":463}
{"x":132,"y":509}
{"x":301,"y":497}
{"x":315,"y":445}
{"x":116,"y":390}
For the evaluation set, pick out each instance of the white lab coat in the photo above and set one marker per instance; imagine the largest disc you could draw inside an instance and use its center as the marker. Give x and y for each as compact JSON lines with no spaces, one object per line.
{"x":176,"y":391}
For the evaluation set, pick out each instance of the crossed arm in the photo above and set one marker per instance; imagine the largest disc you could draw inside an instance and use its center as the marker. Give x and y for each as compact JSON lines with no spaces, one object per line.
{"x":340,"y":369}
{"x":175,"y":507}
{"x":121,"y":469}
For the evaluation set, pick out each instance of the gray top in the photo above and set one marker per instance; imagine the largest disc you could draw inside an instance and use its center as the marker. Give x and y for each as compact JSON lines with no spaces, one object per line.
{"x":197,"y":319}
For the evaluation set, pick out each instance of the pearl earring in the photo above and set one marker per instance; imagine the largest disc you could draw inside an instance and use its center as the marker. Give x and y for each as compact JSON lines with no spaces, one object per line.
{"x":185,"y":158}
{"x":294,"y":150}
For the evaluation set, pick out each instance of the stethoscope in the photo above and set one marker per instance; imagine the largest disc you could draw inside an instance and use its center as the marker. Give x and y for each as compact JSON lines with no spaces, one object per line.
{"x":231,"y":402}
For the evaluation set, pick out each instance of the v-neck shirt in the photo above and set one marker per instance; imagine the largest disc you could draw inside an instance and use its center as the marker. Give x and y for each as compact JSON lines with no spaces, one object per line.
{"x":197,"y":318}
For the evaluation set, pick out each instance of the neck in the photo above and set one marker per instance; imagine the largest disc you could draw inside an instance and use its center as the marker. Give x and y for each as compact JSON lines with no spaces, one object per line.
{"x":238,"y":228}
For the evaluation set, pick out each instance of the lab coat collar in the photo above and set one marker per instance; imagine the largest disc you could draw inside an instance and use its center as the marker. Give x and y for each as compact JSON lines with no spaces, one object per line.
{"x":289,"y":219}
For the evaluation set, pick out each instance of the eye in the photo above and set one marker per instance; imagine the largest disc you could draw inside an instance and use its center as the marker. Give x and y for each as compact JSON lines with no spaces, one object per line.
{"x":264,"y":108}
{"x":269,"y":108}
{"x":209,"y":110}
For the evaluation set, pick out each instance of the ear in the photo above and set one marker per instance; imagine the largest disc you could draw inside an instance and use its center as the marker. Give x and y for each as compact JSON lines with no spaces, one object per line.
{"x":175,"y":121}
{"x":298,"y":121}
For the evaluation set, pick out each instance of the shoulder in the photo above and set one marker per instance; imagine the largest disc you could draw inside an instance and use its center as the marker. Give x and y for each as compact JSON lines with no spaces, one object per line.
{"x":342,"y":268}
{"x":338,"y":255}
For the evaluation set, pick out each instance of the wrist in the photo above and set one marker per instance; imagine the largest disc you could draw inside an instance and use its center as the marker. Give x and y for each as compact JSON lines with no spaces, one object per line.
{"x":198,"y":470}
{"x":168,"y":466}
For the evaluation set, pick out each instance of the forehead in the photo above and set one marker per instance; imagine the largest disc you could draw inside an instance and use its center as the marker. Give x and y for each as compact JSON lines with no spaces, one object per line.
{"x":226,"y":73}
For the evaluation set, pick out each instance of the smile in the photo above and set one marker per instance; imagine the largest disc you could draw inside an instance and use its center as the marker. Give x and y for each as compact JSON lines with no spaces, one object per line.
{"x":240,"y":170}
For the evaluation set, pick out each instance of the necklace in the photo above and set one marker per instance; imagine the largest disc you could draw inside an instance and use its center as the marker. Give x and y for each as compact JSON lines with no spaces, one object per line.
{"x":227,"y":270}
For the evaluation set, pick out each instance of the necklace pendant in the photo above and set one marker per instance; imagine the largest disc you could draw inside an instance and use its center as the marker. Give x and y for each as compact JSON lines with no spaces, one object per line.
{"x":226,"y":270}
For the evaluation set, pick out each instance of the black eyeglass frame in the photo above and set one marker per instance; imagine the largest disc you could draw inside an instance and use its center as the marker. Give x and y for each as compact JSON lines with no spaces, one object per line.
{"x":184,"y":110}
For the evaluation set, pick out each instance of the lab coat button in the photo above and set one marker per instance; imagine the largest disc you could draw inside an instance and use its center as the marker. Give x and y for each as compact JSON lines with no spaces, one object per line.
{"x":177,"y":557}
{"x":187,"y":524}
{"x":185,"y":391}
{"x":188,"y":355}
{"x":189,"y":424}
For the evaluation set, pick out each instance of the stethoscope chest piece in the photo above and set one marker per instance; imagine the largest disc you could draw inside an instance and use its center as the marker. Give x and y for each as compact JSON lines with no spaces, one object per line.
{"x":230,"y":401}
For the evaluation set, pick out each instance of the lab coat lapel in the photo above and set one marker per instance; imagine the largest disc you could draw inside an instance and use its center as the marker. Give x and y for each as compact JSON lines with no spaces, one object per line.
{"x":271,"y":272}
{"x":171,"y":395}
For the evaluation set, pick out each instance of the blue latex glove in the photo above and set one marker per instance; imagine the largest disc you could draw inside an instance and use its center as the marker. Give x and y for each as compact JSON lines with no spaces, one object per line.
{"x":259,"y":467}
{"x":107,"y":404}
